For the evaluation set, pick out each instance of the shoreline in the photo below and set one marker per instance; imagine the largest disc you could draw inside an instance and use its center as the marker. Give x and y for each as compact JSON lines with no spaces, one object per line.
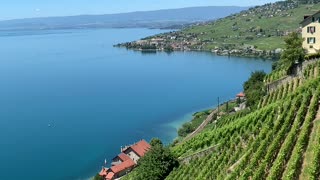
{"x":187,"y":115}
{"x":250,"y":55}
{"x":178,"y":123}
{"x":209,"y":118}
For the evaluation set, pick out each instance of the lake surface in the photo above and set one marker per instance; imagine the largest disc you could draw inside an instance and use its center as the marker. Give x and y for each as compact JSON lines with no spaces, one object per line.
{"x":68,"y":99}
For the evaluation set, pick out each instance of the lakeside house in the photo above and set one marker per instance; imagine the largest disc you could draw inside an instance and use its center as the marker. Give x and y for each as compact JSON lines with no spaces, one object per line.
{"x":127,"y":160}
{"x":240,"y":98}
{"x":311,"y":33}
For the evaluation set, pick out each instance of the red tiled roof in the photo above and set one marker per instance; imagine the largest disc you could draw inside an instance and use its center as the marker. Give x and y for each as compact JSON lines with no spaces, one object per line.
{"x":123,"y":157}
{"x":241,"y":94}
{"x":110,"y":176}
{"x":123,"y":166}
{"x":141,"y":147}
{"x":103,"y":171}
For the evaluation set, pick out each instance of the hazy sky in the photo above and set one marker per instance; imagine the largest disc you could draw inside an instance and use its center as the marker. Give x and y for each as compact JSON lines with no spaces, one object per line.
{"x":12,"y":9}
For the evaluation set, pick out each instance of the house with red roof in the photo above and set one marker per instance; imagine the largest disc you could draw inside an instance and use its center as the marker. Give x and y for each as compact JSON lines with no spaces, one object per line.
{"x":241,"y":95}
{"x":103,"y":171}
{"x":110,"y":176}
{"x":138,"y":150}
{"x":125,"y":161}
{"x":119,"y":159}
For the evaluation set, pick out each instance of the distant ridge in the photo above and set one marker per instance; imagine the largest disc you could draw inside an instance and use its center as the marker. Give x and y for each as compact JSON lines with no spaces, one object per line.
{"x":146,"y":19}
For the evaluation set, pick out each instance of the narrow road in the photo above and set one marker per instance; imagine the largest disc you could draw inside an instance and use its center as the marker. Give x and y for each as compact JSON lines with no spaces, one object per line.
{"x":201,"y":127}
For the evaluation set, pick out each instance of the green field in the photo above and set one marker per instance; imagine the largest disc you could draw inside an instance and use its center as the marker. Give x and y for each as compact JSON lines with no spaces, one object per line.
{"x":253,"y":27}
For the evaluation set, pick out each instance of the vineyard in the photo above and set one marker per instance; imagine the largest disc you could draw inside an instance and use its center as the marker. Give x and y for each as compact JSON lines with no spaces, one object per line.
{"x":279,"y":140}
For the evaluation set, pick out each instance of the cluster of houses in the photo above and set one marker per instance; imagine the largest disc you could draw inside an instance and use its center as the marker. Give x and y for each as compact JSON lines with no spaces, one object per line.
{"x":272,"y":9}
{"x":124,"y":162}
{"x":183,"y":41}
{"x":161,"y":43}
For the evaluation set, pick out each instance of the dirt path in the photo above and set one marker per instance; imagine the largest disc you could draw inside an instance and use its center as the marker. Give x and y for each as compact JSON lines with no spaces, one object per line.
{"x":201,"y":127}
{"x":232,"y":168}
{"x":202,"y":153}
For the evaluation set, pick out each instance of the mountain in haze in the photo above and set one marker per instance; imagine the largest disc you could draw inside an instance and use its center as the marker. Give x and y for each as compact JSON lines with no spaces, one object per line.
{"x":145,"y":19}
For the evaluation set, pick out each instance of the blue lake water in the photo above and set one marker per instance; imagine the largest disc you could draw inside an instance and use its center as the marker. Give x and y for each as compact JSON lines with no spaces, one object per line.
{"x":68,"y":99}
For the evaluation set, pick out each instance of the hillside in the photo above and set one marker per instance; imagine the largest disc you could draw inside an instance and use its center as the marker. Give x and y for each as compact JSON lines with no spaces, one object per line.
{"x":280,"y":140}
{"x":166,"y":18}
{"x":277,"y":137}
{"x":258,"y":31}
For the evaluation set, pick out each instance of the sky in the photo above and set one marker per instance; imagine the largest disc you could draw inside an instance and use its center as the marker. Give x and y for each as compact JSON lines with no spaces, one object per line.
{"x":16,"y":9}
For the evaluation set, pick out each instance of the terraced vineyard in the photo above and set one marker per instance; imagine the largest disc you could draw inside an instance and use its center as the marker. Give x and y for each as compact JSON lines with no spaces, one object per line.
{"x":280,"y":140}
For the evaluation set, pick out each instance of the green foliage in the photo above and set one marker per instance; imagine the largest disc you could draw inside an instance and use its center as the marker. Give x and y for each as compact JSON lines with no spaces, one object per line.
{"x":148,"y":46}
{"x":312,"y":56}
{"x":168,"y":48}
{"x":254,"y":88}
{"x":295,"y":162}
{"x":156,"y":142}
{"x":293,"y":53}
{"x":156,"y":164}
{"x":275,"y":75}
{"x":271,"y":142}
{"x":263,"y":27}
{"x":185,"y":129}
{"x":189,"y":127}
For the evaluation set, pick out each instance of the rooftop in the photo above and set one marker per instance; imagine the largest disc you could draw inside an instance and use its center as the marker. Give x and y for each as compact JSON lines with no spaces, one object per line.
{"x":141,"y":147}
{"x":123,"y":157}
{"x":103,"y":171}
{"x":241,"y":94}
{"x":110,"y":176}
{"x":123,"y":166}
{"x":309,"y":17}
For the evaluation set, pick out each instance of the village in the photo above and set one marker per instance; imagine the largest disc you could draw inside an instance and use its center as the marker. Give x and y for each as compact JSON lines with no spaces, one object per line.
{"x":237,"y":44}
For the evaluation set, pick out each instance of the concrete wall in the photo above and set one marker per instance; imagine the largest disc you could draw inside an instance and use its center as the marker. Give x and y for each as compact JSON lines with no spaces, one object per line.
{"x":298,"y":73}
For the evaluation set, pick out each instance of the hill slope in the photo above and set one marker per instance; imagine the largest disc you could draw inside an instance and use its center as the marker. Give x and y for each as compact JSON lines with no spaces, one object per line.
{"x":278,"y":141}
{"x":258,"y":31}
{"x":149,"y":19}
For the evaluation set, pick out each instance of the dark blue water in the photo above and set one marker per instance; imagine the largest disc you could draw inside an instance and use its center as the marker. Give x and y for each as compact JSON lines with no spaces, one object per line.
{"x":68,"y":99}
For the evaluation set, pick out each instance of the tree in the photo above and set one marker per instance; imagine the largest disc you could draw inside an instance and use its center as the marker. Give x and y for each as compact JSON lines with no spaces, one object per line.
{"x":156,"y":164}
{"x":293,"y":53}
{"x":254,"y":88}
{"x":155,"y":142}
{"x":185,"y":129}
{"x":168,"y":48}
